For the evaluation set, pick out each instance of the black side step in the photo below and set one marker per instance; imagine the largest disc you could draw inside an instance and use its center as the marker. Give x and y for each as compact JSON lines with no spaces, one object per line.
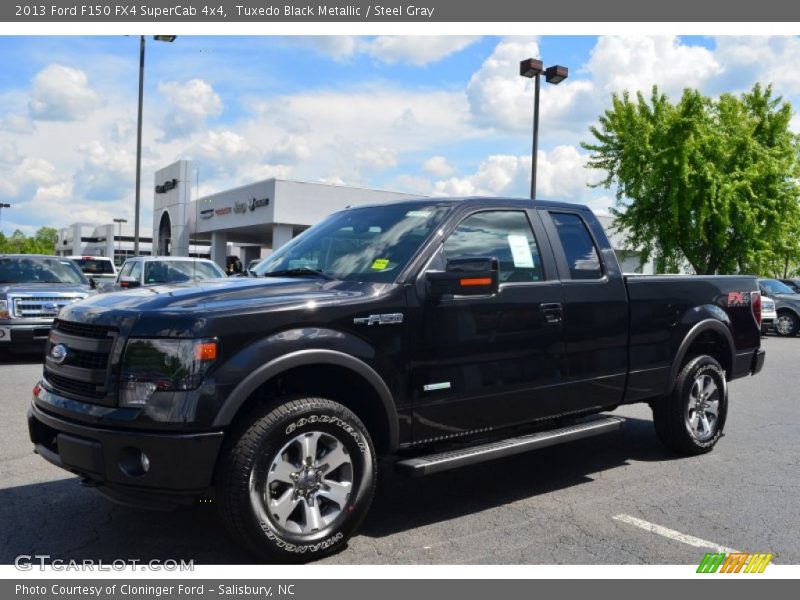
{"x":443,"y":461}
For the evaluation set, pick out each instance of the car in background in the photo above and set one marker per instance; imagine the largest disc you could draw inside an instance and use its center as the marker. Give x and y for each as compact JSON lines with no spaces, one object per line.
{"x":792,"y":283}
{"x":768,"y":314}
{"x":159,"y":270}
{"x":99,"y":269}
{"x":33,"y":289}
{"x":787,"y":306}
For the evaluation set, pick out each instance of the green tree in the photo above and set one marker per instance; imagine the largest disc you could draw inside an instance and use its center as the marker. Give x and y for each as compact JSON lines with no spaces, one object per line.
{"x":711,"y":182}
{"x":16,"y":243}
{"x":44,"y":241}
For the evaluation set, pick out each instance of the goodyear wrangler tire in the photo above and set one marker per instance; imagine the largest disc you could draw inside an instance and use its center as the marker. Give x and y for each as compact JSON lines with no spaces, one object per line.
{"x":298,"y":481}
{"x":690,"y":420}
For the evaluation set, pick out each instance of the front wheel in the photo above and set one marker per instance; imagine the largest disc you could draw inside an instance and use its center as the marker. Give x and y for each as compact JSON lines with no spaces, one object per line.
{"x":298,"y":481}
{"x":786,"y":324}
{"x":690,"y":419}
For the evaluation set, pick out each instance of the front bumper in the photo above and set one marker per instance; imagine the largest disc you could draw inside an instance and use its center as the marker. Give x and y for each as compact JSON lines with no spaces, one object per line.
{"x":17,"y":335}
{"x":181,"y":466}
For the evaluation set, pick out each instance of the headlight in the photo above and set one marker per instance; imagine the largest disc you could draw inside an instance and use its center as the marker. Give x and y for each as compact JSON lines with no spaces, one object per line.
{"x":3,"y":309}
{"x":163,"y":365}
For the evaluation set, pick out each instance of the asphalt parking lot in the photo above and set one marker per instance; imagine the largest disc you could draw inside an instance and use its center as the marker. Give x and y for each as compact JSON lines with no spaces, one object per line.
{"x":618,"y":499}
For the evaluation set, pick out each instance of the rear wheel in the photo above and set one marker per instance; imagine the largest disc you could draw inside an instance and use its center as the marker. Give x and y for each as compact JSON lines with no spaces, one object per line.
{"x":298,"y":481}
{"x":690,"y":420}
{"x":786,"y":324}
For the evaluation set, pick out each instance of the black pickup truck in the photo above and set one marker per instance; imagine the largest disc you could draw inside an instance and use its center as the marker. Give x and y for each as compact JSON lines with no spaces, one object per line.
{"x":431,"y":334}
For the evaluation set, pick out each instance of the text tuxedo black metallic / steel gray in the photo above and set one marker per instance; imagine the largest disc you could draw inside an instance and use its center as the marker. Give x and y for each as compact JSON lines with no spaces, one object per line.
{"x":435,"y":333}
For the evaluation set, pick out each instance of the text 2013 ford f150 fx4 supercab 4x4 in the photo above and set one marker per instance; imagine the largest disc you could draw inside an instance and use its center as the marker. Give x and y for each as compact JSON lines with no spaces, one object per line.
{"x":432,"y":333}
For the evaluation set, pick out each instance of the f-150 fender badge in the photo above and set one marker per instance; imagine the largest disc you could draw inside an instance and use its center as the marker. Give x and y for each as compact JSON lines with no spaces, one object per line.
{"x":385,"y":319}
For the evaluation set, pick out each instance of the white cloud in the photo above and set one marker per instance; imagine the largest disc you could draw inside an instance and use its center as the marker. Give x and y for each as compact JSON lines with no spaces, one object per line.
{"x":498,"y":96}
{"x":376,"y":158}
{"x":438,"y":167}
{"x":636,"y":63}
{"x":190,"y":104}
{"x":416,"y":50}
{"x":221,"y":153}
{"x":561,"y":175}
{"x":108,"y":172}
{"x":748,"y":59}
{"x":17,"y":124}
{"x":501,"y":99}
{"x":337,"y":47}
{"x":61,"y":93}
{"x":19,"y":177}
{"x":390,"y":49}
{"x":290,"y":150}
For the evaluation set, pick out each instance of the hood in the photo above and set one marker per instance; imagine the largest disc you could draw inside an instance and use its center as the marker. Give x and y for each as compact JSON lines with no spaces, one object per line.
{"x":191,"y":303}
{"x":42,"y":288}
{"x":786,"y":298}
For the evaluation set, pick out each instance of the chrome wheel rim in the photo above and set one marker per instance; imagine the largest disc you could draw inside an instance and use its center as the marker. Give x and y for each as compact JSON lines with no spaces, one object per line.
{"x":308,"y":484}
{"x":784,"y":325}
{"x":702,"y":409}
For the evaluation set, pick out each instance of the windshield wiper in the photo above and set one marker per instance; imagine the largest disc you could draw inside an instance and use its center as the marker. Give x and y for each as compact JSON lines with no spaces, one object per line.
{"x":300,"y":272}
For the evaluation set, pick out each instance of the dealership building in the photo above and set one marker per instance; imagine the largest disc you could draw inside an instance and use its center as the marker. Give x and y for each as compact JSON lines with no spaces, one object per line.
{"x":248,"y":221}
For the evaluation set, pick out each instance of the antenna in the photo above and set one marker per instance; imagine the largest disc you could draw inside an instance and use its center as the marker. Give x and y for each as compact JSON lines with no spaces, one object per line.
{"x":196,"y":219}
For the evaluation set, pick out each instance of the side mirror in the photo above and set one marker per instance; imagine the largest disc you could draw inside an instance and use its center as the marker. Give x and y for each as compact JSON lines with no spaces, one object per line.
{"x":92,"y":283}
{"x":128,"y":282}
{"x":465,"y":277}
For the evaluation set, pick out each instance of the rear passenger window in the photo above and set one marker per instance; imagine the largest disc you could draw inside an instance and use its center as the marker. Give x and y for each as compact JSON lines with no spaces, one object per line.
{"x":505,"y":235}
{"x":582,"y":257}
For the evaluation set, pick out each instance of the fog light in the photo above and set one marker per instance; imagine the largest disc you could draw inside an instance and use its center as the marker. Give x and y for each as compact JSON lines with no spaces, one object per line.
{"x":145,"y":463}
{"x":136,"y":393}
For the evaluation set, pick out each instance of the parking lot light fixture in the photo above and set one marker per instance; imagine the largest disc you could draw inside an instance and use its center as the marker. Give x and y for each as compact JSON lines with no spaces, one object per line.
{"x":2,"y":206}
{"x":158,"y":38}
{"x":119,"y":237}
{"x":533,"y":68}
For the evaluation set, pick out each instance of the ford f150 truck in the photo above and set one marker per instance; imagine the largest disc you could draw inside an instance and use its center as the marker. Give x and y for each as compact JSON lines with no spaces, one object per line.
{"x":33,"y":288}
{"x":433,"y":334}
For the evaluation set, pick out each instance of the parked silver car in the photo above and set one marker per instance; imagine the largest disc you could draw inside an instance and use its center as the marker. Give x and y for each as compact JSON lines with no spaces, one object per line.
{"x":787,"y":305}
{"x":33,"y":289}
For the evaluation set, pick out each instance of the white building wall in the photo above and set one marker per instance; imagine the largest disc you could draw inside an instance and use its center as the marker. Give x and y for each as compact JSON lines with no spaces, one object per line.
{"x":175,"y":202}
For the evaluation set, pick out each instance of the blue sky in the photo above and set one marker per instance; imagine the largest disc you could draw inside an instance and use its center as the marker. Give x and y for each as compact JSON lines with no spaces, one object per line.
{"x":442,"y":115}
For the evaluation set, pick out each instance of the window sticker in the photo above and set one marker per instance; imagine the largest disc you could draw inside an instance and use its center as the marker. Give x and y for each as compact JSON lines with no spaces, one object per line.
{"x":418,"y":213}
{"x":379,"y":264}
{"x":520,"y":251}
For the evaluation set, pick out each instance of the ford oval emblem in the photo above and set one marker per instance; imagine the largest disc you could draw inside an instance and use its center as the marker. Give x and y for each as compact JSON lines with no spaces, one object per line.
{"x":59,"y":353}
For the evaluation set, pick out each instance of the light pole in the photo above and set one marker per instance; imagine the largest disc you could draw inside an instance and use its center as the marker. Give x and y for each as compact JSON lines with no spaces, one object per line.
{"x":119,"y":237}
{"x":2,"y":206}
{"x":533,"y":68}
{"x":158,"y":38}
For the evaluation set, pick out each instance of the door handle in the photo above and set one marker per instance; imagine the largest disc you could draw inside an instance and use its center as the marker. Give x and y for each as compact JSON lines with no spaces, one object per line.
{"x":553,"y":312}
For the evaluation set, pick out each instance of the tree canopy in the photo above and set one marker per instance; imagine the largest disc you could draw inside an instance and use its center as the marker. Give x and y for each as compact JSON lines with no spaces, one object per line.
{"x":42,"y":242}
{"x":711,"y":182}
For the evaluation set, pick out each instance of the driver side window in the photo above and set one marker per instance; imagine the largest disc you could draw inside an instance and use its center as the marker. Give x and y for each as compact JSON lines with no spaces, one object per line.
{"x":503,"y":234}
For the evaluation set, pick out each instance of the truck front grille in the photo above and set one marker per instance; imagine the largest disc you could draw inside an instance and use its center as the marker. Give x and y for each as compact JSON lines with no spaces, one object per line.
{"x":40,"y":307}
{"x":85,"y":370}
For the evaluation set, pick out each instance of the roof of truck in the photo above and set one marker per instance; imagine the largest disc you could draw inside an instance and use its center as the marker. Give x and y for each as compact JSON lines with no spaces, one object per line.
{"x":482,"y":201}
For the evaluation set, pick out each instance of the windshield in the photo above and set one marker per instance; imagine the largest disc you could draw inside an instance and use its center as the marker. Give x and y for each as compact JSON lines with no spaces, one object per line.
{"x":38,"y":269}
{"x":362,"y":244}
{"x":95,"y":266}
{"x":176,"y":271}
{"x":773,"y":286}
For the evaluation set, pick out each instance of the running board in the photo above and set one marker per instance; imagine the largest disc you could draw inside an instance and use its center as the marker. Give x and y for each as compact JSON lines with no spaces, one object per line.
{"x":444,"y":461}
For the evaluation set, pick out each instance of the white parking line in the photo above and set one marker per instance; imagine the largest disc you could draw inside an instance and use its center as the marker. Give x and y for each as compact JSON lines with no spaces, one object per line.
{"x":672,"y":534}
